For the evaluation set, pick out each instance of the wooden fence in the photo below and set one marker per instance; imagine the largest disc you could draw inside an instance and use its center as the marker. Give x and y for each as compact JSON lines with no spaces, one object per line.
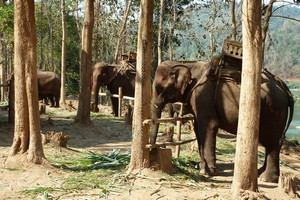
{"x":148,"y":122}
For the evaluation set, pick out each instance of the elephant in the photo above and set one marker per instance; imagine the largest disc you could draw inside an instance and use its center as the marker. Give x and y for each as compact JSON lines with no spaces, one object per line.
{"x":49,"y":87}
{"x":113,"y":77}
{"x":211,"y":92}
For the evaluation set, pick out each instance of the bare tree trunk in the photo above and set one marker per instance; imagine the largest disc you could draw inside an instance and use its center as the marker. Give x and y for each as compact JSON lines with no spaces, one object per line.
{"x":41,"y":37}
{"x":171,"y":32}
{"x":83,"y":114}
{"x":2,"y":58}
{"x":266,"y":25}
{"x":160,"y":30}
{"x":63,"y":55}
{"x":233,"y":21}
{"x":212,"y":30}
{"x":139,"y":154}
{"x":78,"y":24}
{"x":245,"y":169}
{"x":122,"y":30}
{"x":96,"y":31}
{"x":27,"y":136}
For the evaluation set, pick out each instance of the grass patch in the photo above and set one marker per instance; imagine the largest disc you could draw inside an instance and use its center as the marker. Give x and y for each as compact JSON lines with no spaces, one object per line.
{"x":225,"y":147}
{"x":186,"y":168}
{"x":101,"y":116}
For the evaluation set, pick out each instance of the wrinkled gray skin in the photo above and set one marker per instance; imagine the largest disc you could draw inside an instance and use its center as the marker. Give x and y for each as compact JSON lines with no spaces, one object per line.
{"x":49,"y":87}
{"x":107,"y":75}
{"x":172,"y":84}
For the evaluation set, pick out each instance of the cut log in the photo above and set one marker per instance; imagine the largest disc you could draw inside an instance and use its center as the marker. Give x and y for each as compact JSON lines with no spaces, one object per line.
{"x":287,"y":183}
{"x":161,"y":159}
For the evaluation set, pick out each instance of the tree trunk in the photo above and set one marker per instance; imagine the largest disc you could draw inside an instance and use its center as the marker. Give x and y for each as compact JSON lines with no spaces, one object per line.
{"x":266,"y":25}
{"x":233,"y":21}
{"x":27,"y":137}
{"x":41,"y":37}
{"x":63,"y":55}
{"x":171,"y":32}
{"x":122,"y":30}
{"x":1,"y":62}
{"x":245,"y":171}
{"x":83,"y":114}
{"x":78,"y":24}
{"x":160,"y":30}
{"x":139,"y":154}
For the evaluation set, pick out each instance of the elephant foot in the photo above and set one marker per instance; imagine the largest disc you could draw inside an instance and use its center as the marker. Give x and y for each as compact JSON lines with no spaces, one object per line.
{"x":269,"y":177}
{"x":207,"y":171}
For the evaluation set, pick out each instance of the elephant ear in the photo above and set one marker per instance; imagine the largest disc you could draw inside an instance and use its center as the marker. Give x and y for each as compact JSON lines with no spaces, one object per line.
{"x":112,"y":73}
{"x":183,"y":77}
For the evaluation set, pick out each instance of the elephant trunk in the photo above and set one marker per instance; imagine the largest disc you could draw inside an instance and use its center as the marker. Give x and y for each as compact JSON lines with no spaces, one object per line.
{"x":156,"y":114}
{"x":94,"y":96}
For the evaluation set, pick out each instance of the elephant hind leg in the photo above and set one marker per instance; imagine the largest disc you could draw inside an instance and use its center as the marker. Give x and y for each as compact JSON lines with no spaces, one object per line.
{"x":269,"y":172}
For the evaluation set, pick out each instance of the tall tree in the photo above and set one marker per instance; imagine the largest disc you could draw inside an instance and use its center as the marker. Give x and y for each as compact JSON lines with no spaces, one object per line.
{"x":139,"y":154}
{"x":233,"y":21}
{"x":245,"y":169}
{"x":83,"y":113}
{"x":27,"y":136}
{"x":160,"y":31}
{"x":63,"y":54}
{"x":265,"y":28}
{"x":122,"y":30}
{"x":172,"y":28}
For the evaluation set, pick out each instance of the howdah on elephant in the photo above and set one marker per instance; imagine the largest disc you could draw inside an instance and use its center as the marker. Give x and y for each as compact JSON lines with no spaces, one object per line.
{"x":49,"y":87}
{"x":211,"y":92}
{"x":113,"y":77}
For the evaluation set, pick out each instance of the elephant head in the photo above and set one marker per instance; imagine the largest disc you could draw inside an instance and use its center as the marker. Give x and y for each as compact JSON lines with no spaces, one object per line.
{"x":169,"y":86}
{"x":103,"y":74}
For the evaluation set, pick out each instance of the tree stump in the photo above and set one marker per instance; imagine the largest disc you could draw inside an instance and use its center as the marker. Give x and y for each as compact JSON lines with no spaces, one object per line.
{"x":56,"y":138}
{"x":161,"y":159}
{"x":168,"y":134}
{"x":287,"y":183}
{"x":128,"y":114}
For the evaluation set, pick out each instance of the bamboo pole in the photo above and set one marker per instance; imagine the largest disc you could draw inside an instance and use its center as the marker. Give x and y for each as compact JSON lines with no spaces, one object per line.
{"x":120,"y":102}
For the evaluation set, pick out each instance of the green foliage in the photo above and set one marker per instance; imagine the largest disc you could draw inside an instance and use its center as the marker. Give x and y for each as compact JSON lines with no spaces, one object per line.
{"x":92,"y":161}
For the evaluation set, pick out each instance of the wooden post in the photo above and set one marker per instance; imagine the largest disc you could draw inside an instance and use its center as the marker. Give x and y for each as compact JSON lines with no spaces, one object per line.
{"x":120,"y":102}
{"x":179,"y":132}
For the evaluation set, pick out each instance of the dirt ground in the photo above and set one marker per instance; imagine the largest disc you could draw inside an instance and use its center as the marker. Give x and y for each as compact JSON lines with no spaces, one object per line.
{"x":104,"y":136}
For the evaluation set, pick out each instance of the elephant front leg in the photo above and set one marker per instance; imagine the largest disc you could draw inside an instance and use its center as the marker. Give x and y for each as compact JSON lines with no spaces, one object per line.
{"x":207,"y":147}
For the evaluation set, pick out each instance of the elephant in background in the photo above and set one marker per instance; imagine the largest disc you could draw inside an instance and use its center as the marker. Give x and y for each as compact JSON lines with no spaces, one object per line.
{"x":212,"y":95}
{"x":49,"y":87}
{"x":112,"y":77}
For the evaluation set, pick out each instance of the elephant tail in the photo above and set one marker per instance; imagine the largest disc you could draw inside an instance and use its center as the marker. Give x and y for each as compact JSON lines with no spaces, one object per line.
{"x":291,"y":101}
{"x":291,"y":112}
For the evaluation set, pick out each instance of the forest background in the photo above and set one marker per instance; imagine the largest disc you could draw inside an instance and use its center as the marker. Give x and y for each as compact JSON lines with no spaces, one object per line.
{"x":192,"y":30}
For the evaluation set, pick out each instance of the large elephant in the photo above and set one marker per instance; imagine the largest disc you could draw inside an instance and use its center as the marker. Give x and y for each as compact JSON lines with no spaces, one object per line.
{"x":212,"y":95}
{"x":49,"y":87}
{"x":113,"y":77}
